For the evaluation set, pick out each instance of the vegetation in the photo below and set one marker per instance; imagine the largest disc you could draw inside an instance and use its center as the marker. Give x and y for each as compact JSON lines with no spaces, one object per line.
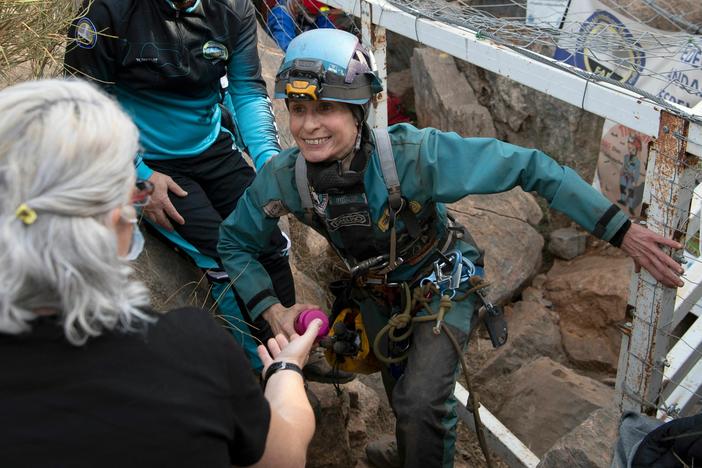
{"x":33,"y":38}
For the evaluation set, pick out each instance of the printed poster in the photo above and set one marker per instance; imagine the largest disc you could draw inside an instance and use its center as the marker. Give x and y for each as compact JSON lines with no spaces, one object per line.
{"x":665,"y":64}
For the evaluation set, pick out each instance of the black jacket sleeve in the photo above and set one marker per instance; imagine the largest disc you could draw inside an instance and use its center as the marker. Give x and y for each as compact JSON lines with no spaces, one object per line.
{"x":93,"y":44}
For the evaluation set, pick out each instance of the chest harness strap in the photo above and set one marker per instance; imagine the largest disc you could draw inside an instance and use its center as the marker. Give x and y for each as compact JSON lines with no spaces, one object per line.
{"x":392,"y":184}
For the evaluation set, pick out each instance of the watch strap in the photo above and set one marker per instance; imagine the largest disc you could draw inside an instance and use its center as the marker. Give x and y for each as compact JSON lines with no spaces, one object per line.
{"x":278,"y":366}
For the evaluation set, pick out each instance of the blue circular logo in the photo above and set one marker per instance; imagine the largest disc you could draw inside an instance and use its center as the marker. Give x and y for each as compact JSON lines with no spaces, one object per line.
{"x":605,"y":47}
{"x":86,"y":35}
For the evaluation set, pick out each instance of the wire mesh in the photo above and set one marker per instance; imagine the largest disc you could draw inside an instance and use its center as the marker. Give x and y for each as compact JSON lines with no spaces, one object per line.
{"x":618,"y":54}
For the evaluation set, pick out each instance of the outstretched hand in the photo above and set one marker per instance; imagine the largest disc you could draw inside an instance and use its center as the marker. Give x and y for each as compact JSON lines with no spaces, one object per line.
{"x":282,"y":319}
{"x":295,"y":351}
{"x":644,"y":246}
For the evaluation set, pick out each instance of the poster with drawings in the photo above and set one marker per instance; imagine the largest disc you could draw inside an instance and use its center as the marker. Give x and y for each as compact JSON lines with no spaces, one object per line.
{"x":606,"y":43}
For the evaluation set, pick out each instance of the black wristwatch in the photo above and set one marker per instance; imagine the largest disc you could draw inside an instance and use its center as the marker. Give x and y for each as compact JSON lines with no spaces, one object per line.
{"x":278,"y":366}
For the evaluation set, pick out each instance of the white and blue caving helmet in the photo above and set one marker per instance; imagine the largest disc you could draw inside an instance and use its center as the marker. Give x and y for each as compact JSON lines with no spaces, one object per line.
{"x":328,"y":65}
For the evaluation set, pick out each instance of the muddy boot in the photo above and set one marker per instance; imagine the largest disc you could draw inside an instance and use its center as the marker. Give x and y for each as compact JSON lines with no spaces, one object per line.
{"x":383,"y":453}
{"x":319,"y":370}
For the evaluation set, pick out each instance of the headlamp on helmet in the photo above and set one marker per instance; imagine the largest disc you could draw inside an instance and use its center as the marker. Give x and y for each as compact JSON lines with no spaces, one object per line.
{"x":304,"y":80}
{"x":327,"y":65}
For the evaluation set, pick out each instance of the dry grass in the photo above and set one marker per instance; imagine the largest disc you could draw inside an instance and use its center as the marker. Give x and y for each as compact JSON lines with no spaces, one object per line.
{"x":32,"y":38}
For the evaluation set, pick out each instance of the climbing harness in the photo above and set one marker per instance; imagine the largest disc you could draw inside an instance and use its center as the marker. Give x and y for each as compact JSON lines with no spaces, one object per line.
{"x":449,"y":272}
{"x":315,"y":208}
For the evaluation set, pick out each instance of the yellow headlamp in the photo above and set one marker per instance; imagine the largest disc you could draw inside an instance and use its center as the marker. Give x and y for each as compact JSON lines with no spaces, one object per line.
{"x":300,"y":89}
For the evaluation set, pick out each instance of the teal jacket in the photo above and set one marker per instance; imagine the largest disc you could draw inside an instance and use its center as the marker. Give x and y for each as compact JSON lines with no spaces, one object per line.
{"x":434,"y":168}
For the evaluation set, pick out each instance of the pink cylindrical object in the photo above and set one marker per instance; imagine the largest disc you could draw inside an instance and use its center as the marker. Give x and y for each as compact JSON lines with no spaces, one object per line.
{"x":305,"y":318}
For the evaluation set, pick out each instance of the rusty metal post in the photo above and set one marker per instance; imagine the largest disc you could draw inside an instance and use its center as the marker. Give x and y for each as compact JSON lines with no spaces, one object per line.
{"x":668,"y":192}
{"x":375,"y":38}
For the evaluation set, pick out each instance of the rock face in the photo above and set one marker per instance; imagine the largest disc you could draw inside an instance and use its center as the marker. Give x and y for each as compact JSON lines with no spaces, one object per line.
{"x":453,"y":95}
{"x":687,"y":10}
{"x":349,"y":421}
{"x":567,"y":243}
{"x":173,"y":280}
{"x":590,"y":299}
{"x":444,"y":99}
{"x":545,"y":400}
{"x":533,"y":334}
{"x":532,"y":119}
{"x":590,"y":445}
{"x":501,"y":224}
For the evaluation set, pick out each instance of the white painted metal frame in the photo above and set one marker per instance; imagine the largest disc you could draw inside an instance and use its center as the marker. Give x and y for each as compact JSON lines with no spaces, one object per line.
{"x":606,"y":100}
{"x":669,"y":187}
{"x":683,"y":362}
{"x":375,"y":37}
{"x":500,"y":439}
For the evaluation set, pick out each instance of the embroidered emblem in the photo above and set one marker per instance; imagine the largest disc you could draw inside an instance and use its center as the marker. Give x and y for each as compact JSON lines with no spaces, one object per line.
{"x":275,"y":209}
{"x":384,"y":221}
{"x":215,"y":51}
{"x":415,"y":206}
{"x":320,"y":202}
{"x":86,"y":34}
{"x":358,"y":218}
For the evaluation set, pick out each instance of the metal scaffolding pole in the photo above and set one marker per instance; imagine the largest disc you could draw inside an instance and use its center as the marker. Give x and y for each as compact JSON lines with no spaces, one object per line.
{"x":669,"y":186}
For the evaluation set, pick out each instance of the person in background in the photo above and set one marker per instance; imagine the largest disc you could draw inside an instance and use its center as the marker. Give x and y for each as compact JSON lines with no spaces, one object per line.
{"x":92,"y":376}
{"x":163,"y":62}
{"x":629,"y":174}
{"x":288,"y":18}
{"x":378,"y":197}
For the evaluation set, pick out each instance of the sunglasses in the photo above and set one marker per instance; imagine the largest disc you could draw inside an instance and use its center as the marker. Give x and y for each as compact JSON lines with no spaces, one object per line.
{"x":143,"y":189}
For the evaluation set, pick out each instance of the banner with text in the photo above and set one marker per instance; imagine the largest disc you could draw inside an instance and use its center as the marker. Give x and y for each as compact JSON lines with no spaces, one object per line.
{"x":665,"y":64}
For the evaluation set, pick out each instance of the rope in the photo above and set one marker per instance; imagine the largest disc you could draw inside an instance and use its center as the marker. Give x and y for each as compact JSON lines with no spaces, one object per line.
{"x":422,"y":295}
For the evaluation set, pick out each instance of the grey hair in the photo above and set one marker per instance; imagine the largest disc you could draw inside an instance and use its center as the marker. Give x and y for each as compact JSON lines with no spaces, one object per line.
{"x":66,"y":151}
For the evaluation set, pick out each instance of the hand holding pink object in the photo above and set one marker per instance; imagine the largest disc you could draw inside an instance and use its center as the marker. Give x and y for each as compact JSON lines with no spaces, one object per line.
{"x":305,"y":319}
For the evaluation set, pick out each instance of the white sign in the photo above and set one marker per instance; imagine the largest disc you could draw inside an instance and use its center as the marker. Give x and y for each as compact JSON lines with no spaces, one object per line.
{"x":665,"y":64}
{"x":546,"y":13}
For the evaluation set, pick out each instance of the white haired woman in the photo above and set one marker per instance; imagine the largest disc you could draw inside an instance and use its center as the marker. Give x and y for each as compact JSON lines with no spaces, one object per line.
{"x":90,"y":375}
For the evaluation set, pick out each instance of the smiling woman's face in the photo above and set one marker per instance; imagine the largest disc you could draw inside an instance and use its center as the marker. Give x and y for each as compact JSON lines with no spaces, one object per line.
{"x":323,"y":130}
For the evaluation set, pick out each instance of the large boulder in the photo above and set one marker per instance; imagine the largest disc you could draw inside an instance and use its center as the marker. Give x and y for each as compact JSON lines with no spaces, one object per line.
{"x":533,"y":333}
{"x":330,"y":446}
{"x":590,"y":295}
{"x":529,"y":118}
{"x":545,"y":400}
{"x":501,"y":224}
{"x":443,"y":98}
{"x":349,"y":421}
{"x":590,"y":445}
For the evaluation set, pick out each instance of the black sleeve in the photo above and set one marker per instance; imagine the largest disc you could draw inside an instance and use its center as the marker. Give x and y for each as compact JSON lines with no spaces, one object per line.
{"x":93,"y":43}
{"x":250,"y":409}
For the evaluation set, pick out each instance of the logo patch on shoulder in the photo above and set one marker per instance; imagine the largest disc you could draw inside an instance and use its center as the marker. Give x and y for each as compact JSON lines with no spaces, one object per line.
{"x":215,"y":51}
{"x":86,"y":35}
